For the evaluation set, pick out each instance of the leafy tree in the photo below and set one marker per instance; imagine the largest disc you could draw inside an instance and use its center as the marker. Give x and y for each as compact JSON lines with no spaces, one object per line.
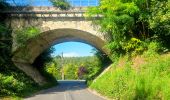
{"x":5,"y":46}
{"x":117,"y":20}
{"x":81,"y":71}
{"x":4,"y":5}
{"x":62,"y":4}
{"x":159,"y":21}
{"x":123,"y":20}
{"x":52,"y":69}
{"x":70,"y":71}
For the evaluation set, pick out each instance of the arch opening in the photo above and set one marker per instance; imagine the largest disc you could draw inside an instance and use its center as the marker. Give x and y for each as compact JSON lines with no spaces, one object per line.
{"x":25,"y":56}
{"x":71,"y":61}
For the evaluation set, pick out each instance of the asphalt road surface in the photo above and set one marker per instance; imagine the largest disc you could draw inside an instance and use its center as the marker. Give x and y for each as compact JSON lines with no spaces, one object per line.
{"x":66,"y":90}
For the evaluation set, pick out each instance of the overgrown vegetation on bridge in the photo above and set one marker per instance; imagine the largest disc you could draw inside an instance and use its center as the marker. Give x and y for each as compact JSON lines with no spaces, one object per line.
{"x":137,"y":29}
{"x":62,"y":4}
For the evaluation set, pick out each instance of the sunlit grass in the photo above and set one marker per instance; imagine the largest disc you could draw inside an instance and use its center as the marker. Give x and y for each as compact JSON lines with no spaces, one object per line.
{"x":150,"y":81}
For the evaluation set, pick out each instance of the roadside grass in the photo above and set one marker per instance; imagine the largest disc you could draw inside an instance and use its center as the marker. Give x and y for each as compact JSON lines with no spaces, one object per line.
{"x":148,"y":81}
{"x":13,"y":89}
{"x":27,"y":93}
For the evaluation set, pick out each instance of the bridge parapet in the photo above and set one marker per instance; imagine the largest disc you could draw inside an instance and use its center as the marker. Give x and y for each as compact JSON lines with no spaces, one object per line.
{"x":44,"y":8}
{"x":47,"y":12}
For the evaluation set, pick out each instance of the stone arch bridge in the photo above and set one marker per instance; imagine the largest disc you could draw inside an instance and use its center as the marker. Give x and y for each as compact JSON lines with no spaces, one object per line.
{"x":56,"y":26}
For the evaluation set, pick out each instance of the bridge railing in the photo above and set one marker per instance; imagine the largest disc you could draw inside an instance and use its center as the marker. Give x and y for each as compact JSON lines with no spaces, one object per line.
{"x":44,"y":8}
{"x":74,"y":3}
{"x":46,"y":12}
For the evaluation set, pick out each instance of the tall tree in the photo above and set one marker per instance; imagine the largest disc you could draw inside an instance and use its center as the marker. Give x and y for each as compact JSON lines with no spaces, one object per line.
{"x":62,"y":4}
{"x":123,"y":20}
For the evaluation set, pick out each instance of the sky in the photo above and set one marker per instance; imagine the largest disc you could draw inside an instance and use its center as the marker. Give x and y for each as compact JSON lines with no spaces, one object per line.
{"x":48,"y":3}
{"x":73,"y":49}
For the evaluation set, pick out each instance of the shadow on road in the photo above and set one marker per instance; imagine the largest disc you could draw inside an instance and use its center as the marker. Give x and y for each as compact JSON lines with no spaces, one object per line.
{"x":66,"y":90}
{"x":66,"y":85}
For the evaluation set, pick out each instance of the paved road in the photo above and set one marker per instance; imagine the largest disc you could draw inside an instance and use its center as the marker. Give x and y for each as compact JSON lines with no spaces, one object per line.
{"x":66,"y":90}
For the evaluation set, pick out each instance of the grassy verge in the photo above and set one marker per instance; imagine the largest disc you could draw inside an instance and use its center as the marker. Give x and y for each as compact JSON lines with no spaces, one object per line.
{"x":141,"y":78}
{"x":27,"y":93}
{"x":13,"y":88}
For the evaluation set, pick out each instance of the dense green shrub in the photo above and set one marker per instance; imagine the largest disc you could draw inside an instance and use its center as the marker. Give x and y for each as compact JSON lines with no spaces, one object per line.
{"x":24,"y":34}
{"x":152,"y":50}
{"x":53,"y":70}
{"x":70,"y":71}
{"x":12,"y":85}
{"x":125,"y":20}
{"x":134,"y":46}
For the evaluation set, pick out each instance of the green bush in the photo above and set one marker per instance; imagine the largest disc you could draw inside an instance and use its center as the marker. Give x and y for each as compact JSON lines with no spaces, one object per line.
{"x":134,"y":46}
{"x":152,"y":49}
{"x":24,"y":34}
{"x":52,"y":69}
{"x":11,"y":85}
{"x":70,"y":71}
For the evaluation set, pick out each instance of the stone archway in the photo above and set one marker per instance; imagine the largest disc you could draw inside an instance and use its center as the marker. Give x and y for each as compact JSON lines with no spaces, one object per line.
{"x":25,"y":56}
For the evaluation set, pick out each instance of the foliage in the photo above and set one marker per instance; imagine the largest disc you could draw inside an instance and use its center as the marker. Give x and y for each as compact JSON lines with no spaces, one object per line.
{"x":159,"y":21}
{"x":102,"y":57}
{"x":5,"y":45}
{"x":62,"y":4}
{"x":81,"y":71}
{"x":134,"y":46}
{"x":70,"y":71}
{"x":147,"y":82}
{"x":24,"y":34}
{"x":53,"y":70}
{"x":11,"y":82}
{"x":4,"y":5}
{"x":12,"y":85}
{"x":75,"y":67}
{"x":153,"y":48}
{"x":125,"y":20}
{"x":117,"y":21}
